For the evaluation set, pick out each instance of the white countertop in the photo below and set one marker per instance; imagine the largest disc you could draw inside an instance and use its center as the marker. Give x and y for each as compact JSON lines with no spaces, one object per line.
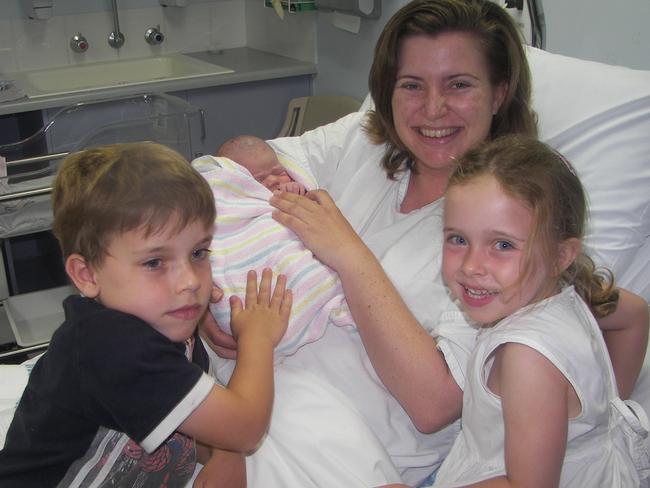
{"x":247,"y":64}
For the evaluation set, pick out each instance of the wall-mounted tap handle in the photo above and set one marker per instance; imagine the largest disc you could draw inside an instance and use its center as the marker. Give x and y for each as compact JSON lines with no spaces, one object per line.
{"x":115,"y":38}
{"x":153,"y":35}
{"x":78,"y":43}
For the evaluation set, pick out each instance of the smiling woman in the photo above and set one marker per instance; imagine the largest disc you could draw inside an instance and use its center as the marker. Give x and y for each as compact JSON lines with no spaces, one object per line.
{"x":435,"y":91}
{"x":443,"y":103}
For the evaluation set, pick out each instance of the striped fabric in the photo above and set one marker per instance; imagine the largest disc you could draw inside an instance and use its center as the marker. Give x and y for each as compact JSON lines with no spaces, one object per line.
{"x":246,"y":238}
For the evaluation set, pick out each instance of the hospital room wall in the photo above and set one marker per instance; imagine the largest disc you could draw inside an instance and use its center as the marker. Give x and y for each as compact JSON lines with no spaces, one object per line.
{"x":599,"y":30}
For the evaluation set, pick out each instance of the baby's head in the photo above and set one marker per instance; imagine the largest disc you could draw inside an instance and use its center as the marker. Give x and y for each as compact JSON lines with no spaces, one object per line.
{"x":258,"y":158}
{"x":515,"y":215}
{"x":134,"y":222}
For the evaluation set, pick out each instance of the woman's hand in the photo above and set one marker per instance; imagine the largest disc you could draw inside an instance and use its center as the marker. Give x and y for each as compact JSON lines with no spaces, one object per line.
{"x":219,"y":341}
{"x":321,"y":226}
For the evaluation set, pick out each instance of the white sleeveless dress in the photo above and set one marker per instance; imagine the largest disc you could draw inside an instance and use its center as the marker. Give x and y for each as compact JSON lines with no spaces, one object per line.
{"x":604,"y":443}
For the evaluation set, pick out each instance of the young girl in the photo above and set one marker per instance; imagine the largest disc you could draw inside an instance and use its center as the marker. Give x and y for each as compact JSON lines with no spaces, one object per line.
{"x":540,"y":405}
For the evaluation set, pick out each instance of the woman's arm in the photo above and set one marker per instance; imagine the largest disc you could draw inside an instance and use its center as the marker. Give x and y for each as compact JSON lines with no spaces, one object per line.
{"x":403,"y":354}
{"x":626,"y":335}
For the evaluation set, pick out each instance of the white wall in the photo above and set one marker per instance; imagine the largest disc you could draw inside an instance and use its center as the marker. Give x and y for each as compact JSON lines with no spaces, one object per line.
{"x":602,"y":30}
{"x":610,"y":31}
{"x":27,"y":44}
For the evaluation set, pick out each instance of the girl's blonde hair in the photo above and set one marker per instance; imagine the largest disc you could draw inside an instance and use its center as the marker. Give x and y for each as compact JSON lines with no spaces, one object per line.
{"x":543,"y":180}
{"x":504,"y":54}
{"x":108,"y":190}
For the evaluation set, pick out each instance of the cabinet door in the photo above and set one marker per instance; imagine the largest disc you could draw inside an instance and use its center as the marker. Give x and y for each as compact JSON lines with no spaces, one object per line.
{"x":256,"y":108}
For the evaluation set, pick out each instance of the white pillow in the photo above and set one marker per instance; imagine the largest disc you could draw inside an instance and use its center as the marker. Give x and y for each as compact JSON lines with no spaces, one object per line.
{"x":598,"y":116}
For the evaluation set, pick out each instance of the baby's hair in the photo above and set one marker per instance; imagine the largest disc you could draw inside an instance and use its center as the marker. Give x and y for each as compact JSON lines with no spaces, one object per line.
{"x":242,"y":143}
{"x":543,"y":180}
{"x":109,"y":190}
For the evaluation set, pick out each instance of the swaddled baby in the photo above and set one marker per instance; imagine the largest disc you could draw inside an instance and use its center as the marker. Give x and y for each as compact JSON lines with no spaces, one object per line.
{"x":247,"y":237}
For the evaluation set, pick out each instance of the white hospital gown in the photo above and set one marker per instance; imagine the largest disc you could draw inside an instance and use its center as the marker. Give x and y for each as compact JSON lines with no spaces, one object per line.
{"x":409,"y":248}
{"x":602,"y":445}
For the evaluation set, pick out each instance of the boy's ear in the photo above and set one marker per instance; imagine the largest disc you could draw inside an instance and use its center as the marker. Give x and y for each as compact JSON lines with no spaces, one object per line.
{"x":567,"y":253}
{"x":82,"y":275}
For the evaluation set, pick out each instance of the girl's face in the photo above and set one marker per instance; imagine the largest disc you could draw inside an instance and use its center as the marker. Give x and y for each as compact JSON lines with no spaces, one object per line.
{"x":486,"y":234}
{"x":443,"y":100}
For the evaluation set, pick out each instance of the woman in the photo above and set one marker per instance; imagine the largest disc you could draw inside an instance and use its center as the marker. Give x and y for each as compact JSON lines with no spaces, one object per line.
{"x":447,"y":74}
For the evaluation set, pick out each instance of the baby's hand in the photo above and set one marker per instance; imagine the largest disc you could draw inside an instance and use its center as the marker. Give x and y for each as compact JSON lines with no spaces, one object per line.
{"x":292,"y":187}
{"x":264,"y":312}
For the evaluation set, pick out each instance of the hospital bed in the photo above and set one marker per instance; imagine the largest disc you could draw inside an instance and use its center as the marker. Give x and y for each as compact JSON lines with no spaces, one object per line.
{"x":599,"y":117}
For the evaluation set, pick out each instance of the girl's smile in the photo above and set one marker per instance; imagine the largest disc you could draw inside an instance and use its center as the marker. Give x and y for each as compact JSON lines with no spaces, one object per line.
{"x":486,"y":244}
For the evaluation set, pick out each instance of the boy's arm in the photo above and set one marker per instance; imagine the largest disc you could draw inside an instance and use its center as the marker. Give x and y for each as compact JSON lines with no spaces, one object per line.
{"x":626,"y":335}
{"x":222,"y":469}
{"x":236,"y":417}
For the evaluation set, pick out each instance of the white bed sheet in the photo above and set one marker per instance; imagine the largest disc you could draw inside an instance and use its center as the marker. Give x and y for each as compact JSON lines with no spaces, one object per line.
{"x":599,"y":117}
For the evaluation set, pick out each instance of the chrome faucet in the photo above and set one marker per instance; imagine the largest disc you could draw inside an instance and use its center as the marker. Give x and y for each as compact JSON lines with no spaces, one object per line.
{"x":115,"y":38}
{"x":153,"y":35}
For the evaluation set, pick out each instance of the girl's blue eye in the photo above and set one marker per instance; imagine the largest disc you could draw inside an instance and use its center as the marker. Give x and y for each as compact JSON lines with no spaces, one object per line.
{"x":200,"y":254}
{"x":456,"y":240}
{"x":504,"y":246}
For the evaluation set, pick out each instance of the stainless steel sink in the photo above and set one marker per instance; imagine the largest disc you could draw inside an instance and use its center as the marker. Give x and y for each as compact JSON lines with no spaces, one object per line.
{"x":94,"y":76}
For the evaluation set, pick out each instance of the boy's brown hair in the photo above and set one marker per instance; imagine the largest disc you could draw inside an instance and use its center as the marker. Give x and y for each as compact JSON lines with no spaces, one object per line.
{"x":108,"y":190}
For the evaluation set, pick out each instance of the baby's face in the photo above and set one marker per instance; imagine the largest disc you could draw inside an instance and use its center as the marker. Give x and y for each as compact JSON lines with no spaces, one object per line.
{"x":272,"y":177}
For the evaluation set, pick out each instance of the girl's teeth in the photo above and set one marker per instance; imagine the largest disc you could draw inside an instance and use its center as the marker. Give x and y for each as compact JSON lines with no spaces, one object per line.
{"x":478,"y":293}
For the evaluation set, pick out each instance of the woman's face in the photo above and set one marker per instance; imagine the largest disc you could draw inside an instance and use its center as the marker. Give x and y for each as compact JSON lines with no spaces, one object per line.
{"x":443,"y":100}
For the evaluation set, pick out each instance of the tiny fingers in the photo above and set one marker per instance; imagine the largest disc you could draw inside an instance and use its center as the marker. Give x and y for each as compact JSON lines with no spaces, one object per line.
{"x":279,"y":292}
{"x":285,"y":306}
{"x":251,"y":287}
{"x":264,"y":294}
{"x":235,"y":306}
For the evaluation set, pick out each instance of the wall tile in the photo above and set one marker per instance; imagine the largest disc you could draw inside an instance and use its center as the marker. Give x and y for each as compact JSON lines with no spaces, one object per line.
{"x":228,"y":26}
{"x":134,"y":23}
{"x":293,"y":36}
{"x":187,"y":29}
{"x":7,"y":47}
{"x":40,"y":43}
{"x":95,"y":27}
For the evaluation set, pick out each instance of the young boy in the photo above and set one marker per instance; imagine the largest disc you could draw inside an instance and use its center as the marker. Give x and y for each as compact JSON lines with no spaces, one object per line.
{"x":122,"y":392}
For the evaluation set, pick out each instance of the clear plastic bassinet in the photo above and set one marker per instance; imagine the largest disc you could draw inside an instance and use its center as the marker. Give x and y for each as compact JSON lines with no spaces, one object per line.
{"x":31,"y":290}
{"x":32,"y":162}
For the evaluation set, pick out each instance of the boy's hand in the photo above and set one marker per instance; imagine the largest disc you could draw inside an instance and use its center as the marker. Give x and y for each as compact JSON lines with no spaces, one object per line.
{"x":265,"y":312}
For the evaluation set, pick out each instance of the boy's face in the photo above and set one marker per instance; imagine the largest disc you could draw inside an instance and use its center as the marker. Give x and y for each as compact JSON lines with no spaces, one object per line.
{"x":164,"y":278}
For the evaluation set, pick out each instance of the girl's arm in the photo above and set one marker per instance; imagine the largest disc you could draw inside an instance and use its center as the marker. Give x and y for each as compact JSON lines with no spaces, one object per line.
{"x":534,"y":398}
{"x":236,"y":417}
{"x":626,"y":335}
{"x":404,"y":356}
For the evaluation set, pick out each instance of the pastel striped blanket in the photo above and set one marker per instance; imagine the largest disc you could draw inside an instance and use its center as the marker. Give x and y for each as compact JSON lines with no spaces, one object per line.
{"x":246,"y":237}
